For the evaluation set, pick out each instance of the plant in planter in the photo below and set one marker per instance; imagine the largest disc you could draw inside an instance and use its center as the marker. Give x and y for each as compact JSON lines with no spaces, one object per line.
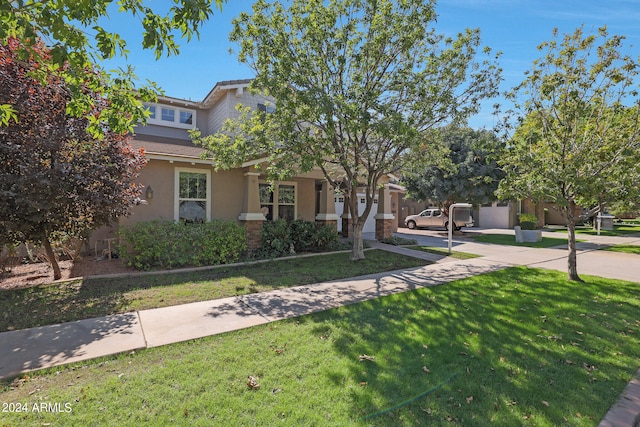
{"x":528,"y":221}
{"x":528,"y":225}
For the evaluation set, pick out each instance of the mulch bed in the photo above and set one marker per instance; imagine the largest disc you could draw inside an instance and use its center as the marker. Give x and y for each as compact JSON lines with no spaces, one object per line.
{"x":25,"y":275}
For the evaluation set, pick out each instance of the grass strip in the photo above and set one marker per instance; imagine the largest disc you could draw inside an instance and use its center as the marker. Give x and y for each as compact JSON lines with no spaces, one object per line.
{"x":444,"y":252}
{"x":531,"y":349}
{"x":627,"y":249}
{"x":83,"y":299}
{"x":618,"y":230}
{"x":509,"y":239}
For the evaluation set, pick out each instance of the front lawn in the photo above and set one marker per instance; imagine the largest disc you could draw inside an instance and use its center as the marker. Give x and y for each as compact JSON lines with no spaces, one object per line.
{"x":515,"y":347}
{"x":510,"y":239}
{"x":83,"y":299}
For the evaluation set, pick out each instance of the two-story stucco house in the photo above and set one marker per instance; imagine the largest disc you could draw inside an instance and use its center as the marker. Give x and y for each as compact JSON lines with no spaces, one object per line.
{"x":180,"y":185}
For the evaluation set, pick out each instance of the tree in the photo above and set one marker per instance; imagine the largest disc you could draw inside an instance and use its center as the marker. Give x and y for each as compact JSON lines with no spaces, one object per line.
{"x":577,"y":137}
{"x":356,"y":83}
{"x":54,"y":177}
{"x":78,"y":42}
{"x":468,"y":173}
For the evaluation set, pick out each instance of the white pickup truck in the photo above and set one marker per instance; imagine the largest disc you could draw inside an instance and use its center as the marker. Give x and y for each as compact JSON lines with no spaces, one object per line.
{"x":434,"y":217}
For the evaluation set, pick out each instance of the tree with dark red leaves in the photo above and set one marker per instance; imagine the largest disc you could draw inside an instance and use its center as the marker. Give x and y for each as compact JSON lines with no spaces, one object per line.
{"x":54,"y":176}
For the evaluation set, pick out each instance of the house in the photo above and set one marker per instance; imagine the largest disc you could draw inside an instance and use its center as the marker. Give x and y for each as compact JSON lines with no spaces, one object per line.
{"x":180,"y":185}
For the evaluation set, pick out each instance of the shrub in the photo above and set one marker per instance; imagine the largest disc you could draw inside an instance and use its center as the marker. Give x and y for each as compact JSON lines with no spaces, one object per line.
{"x":276,"y":238}
{"x":305,"y":236}
{"x":528,"y":221}
{"x":168,"y":244}
{"x":398,"y":241}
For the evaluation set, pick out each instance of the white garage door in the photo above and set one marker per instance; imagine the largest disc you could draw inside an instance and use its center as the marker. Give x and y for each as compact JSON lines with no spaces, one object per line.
{"x":370,"y":223}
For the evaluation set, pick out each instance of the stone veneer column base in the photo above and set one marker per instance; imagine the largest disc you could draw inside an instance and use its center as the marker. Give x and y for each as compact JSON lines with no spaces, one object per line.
{"x":346,"y":227}
{"x":384,"y":228}
{"x":253,"y":230}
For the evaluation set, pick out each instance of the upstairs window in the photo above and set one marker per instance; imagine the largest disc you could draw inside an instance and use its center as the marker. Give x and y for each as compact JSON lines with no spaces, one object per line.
{"x":186,"y":117}
{"x":266,"y":108}
{"x":167,"y":115}
{"x":152,"y":111}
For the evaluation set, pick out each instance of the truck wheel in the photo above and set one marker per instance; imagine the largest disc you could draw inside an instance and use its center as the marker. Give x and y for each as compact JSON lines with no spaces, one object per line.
{"x":446,"y":226}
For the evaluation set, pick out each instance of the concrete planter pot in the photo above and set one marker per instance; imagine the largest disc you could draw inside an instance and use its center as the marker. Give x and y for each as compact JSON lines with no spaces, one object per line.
{"x":523,"y":236}
{"x":531,"y":235}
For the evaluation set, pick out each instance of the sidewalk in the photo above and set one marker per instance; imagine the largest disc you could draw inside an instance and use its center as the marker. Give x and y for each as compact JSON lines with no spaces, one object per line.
{"x":36,"y":348}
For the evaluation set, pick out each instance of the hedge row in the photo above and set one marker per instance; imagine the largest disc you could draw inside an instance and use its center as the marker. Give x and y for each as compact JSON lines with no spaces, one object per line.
{"x":168,"y":244}
{"x":282,"y":238}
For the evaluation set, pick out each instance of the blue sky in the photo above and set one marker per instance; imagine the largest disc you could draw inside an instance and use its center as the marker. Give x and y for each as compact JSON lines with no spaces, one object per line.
{"x":514,"y":27}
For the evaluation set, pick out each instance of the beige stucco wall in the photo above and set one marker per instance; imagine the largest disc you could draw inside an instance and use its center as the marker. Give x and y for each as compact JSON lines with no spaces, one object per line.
{"x":306,"y":198}
{"x":227,"y":192}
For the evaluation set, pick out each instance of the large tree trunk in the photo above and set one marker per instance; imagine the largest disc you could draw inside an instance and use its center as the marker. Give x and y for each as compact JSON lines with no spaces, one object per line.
{"x":572,"y":259}
{"x":57,"y":275}
{"x":357,"y":252}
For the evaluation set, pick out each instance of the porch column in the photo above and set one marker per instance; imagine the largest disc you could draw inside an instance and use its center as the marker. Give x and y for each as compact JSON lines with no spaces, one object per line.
{"x":327,"y":214}
{"x":251,"y":216}
{"x":384,"y":217}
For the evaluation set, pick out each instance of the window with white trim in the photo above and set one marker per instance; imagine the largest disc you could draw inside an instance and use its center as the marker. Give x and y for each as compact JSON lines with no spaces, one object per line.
{"x":168,"y":115}
{"x":192,"y":195}
{"x":279,"y":203}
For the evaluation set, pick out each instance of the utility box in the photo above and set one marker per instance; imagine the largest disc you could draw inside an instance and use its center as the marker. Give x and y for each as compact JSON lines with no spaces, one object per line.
{"x":606,"y":221}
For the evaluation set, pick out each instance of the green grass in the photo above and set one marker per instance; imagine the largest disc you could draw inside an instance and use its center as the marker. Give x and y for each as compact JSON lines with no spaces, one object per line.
{"x":509,"y":239}
{"x":629,"y":249}
{"x":524,"y":347}
{"x":83,"y":299}
{"x":444,"y":252}
{"x":618,"y":230}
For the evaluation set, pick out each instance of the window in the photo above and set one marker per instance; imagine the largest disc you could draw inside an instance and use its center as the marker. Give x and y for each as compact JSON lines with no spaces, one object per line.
{"x":186,"y":117}
{"x":279,"y":203}
{"x":152,"y":111}
{"x":166,"y":115}
{"x":266,"y":108}
{"x":193,"y":195}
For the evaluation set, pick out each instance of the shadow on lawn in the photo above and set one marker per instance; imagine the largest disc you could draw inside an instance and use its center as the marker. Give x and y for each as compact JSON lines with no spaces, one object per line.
{"x":530,"y":346}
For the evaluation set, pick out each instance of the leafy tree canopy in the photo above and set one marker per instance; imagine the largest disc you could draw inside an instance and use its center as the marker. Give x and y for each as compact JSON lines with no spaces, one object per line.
{"x":577,"y":138}
{"x":53,"y":176}
{"x":78,"y":43}
{"x":468,"y":173}
{"x":356,"y":83}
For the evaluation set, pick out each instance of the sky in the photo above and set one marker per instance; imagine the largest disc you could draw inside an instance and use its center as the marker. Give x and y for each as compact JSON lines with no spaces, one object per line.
{"x":513,"y":27}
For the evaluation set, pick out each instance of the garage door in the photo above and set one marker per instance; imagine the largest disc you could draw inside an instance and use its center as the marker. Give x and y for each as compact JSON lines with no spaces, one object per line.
{"x":370,"y":223}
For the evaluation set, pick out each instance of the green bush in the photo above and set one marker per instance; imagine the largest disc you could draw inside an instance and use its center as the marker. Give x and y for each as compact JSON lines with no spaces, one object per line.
{"x":306,"y":236}
{"x":276,"y":238}
{"x":168,"y":244}
{"x":398,"y":241}
{"x":528,"y":221}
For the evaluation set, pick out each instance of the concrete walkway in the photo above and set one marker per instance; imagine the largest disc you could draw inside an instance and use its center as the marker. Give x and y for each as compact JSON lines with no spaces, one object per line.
{"x":31,"y":349}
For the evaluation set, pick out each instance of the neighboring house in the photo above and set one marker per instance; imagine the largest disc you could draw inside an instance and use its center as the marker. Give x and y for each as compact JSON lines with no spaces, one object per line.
{"x":180,"y":185}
